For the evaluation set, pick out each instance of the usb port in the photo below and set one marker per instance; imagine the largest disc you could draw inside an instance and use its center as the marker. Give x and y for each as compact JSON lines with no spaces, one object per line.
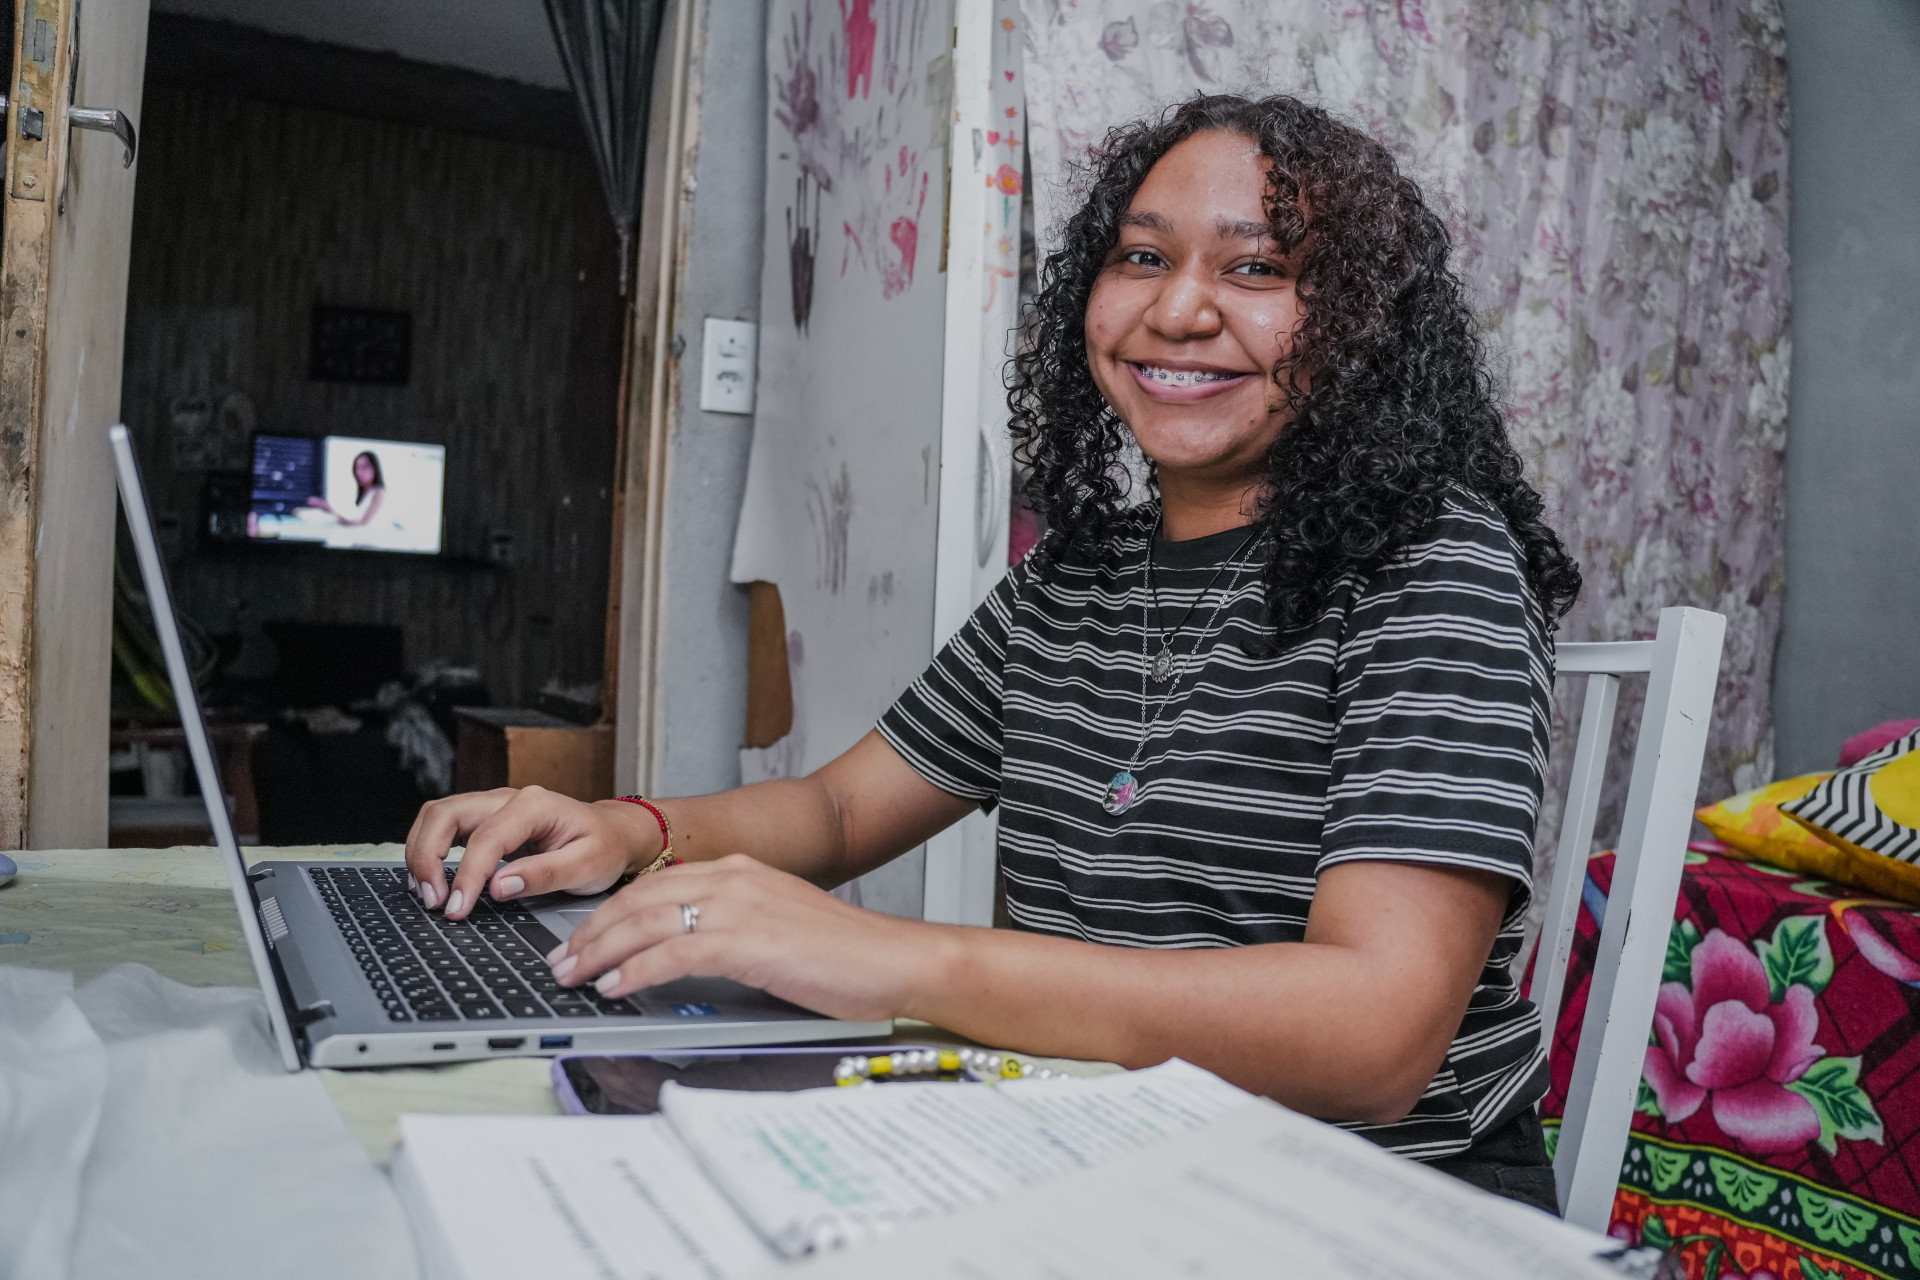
{"x":443,"y":1046}
{"x":556,"y":1042}
{"x":506,"y":1042}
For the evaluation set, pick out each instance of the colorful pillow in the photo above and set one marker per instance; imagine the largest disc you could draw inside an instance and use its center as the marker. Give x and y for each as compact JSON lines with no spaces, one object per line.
{"x":1873,"y":812}
{"x":1862,"y":745}
{"x":1753,"y":828}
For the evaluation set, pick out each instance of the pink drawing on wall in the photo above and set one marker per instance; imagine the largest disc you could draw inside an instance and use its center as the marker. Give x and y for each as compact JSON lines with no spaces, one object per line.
{"x":858,"y":25}
{"x":849,"y":151}
{"x":896,"y":277}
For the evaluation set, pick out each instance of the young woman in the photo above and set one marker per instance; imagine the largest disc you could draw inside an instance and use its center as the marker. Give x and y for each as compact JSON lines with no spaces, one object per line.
{"x":370,"y":489}
{"x":1267,"y":748}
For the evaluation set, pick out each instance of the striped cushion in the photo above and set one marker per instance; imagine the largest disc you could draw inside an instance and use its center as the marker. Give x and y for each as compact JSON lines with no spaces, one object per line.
{"x":1873,"y":807}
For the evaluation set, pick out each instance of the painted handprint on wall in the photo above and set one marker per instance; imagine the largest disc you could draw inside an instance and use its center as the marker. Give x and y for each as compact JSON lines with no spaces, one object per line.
{"x":860,"y":159}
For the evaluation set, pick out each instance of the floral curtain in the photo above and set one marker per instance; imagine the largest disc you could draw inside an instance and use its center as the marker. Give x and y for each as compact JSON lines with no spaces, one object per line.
{"x":1614,"y":172}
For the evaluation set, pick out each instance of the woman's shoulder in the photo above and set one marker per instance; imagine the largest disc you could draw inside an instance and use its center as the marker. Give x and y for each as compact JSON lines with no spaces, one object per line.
{"x":1466,"y":533}
{"x":1124,"y":543}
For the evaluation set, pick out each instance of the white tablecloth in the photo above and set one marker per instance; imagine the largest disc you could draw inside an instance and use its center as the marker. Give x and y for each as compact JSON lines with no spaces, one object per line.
{"x":147,"y":1129}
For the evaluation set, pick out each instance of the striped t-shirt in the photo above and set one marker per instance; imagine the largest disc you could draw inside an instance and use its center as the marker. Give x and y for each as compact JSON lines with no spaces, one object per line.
{"x":1408,"y":724}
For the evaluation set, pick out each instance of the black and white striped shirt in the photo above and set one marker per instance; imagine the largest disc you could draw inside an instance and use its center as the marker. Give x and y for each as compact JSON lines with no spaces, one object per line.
{"x":1409,"y":725}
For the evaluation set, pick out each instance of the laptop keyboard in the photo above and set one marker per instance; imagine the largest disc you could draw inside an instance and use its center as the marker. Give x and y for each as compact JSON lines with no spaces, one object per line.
{"x":427,"y":968}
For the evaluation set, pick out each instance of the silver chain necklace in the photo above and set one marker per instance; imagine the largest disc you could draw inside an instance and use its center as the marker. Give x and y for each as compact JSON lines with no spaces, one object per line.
{"x":1125,"y":786}
{"x":1161,"y":669}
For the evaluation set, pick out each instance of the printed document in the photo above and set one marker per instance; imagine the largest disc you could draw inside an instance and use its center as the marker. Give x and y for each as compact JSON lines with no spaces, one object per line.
{"x":604,"y":1198}
{"x":824,"y":1168}
{"x":1260,"y":1191}
{"x":1167,"y":1171}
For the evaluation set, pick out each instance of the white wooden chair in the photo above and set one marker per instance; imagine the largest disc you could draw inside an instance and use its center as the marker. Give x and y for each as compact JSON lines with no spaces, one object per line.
{"x":1682,"y":663}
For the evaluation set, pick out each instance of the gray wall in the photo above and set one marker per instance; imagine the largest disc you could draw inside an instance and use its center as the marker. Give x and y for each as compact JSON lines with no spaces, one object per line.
{"x":703,"y":653}
{"x":1850,"y":640}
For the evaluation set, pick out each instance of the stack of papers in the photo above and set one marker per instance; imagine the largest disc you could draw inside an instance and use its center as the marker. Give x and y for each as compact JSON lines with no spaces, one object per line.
{"x":1149,"y":1173}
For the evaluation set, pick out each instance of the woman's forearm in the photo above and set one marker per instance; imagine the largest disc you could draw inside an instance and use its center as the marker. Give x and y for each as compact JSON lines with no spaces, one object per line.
{"x":1297,"y":1022}
{"x":843,"y":820}
{"x":791,"y":823}
{"x":1351,"y":1024}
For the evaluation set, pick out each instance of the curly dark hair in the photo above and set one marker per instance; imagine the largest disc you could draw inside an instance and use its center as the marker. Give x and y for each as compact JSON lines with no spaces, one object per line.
{"x":1386,"y":381}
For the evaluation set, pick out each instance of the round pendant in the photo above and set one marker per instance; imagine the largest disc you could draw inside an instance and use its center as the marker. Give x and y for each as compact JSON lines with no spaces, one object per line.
{"x":1162,"y":665}
{"x":1120,"y":792}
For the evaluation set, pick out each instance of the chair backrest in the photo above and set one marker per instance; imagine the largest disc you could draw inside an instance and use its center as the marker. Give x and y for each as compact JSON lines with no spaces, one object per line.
{"x":1682,"y":664}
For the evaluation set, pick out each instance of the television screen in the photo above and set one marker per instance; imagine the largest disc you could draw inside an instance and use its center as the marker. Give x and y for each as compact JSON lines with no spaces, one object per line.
{"x":347,"y":492}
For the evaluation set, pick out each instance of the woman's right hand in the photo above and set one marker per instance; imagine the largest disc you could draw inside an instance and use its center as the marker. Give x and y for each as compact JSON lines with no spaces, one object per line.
{"x":579,"y":848}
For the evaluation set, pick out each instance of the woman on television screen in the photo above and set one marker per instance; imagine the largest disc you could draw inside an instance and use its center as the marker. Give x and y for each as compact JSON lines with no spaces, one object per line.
{"x":372,"y":489}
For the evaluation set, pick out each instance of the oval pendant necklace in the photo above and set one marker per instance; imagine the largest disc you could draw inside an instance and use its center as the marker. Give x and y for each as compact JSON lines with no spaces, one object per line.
{"x":1124,"y":787}
{"x":1162,"y":668}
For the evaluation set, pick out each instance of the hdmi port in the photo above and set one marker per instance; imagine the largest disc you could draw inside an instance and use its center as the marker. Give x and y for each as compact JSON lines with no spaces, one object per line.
{"x":506,"y":1042}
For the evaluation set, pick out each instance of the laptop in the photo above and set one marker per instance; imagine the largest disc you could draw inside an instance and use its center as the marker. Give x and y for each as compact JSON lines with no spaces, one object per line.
{"x":358,"y":974}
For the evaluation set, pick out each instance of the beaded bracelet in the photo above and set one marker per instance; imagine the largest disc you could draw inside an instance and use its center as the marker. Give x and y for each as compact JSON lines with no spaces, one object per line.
{"x":947,"y":1064}
{"x":667,"y":856}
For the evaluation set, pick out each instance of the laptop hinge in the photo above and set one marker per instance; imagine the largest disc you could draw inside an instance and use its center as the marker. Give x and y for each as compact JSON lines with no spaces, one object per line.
{"x":256,"y":874}
{"x":306,"y":1015}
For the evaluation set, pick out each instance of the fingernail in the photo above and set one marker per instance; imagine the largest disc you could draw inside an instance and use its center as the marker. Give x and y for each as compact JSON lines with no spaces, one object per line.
{"x":411,"y":882}
{"x":564,"y":968}
{"x":508,"y":886}
{"x":607,"y":981}
{"x":454,"y":900}
{"x":553,"y":956}
{"x":426,"y":894}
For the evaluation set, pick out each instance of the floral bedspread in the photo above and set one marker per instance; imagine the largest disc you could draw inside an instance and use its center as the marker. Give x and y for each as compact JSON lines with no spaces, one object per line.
{"x":1777,"y":1135}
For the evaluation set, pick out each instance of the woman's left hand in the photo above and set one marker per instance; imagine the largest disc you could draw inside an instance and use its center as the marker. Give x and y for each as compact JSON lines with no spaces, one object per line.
{"x":756,"y":925}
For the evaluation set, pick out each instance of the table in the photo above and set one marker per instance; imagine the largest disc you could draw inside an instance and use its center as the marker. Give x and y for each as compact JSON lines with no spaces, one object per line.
{"x":88,"y":910}
{"x":1794,"y":1001}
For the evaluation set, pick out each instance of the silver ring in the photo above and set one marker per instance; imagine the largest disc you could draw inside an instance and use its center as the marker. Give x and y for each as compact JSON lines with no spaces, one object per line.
{"x":689,"y":917}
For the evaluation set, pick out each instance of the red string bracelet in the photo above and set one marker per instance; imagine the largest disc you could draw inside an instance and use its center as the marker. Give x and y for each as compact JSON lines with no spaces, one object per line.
{"x":667,"y":857}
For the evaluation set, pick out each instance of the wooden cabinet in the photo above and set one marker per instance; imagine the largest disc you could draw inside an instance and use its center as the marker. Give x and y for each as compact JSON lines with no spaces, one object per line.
{"x":513,"y":747}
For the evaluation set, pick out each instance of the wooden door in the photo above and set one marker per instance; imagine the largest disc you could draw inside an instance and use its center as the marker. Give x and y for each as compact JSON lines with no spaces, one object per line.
{"x":68,"y":219}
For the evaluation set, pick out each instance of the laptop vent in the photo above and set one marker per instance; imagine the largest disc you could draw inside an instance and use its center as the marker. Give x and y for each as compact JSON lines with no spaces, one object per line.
{"x":275,"y":922}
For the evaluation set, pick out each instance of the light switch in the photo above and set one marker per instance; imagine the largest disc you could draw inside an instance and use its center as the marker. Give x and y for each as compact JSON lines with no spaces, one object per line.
{"x":726,"y":366}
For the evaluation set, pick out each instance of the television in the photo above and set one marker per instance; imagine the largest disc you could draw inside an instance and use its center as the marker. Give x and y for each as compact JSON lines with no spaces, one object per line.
{"x":348,"y":493}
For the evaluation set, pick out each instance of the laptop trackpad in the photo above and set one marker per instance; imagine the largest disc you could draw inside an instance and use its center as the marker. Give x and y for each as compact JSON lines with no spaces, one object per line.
{"x":568,"y":914}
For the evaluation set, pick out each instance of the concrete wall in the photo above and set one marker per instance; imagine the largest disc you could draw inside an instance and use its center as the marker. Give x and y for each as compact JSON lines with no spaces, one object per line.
{"x":703,"y":651}
{"x":1850,"y":643}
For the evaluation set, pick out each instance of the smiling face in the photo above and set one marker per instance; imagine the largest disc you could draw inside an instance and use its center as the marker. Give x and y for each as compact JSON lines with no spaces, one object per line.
{"x":1188,"y":319}
{"x":364,"y":471}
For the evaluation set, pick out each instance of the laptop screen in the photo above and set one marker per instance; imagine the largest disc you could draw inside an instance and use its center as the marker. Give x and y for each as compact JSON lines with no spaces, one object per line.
{"x":140,"y":523}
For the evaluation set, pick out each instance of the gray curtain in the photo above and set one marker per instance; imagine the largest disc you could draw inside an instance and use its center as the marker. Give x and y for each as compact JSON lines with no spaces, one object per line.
{"x":608,"y":49}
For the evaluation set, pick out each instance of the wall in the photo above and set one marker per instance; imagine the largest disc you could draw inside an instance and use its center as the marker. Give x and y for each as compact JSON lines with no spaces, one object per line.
{"x":249,"y":213}
{"x":505,"y":38}
{"x":1850,"y":641}
{"x":703,"y":646}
